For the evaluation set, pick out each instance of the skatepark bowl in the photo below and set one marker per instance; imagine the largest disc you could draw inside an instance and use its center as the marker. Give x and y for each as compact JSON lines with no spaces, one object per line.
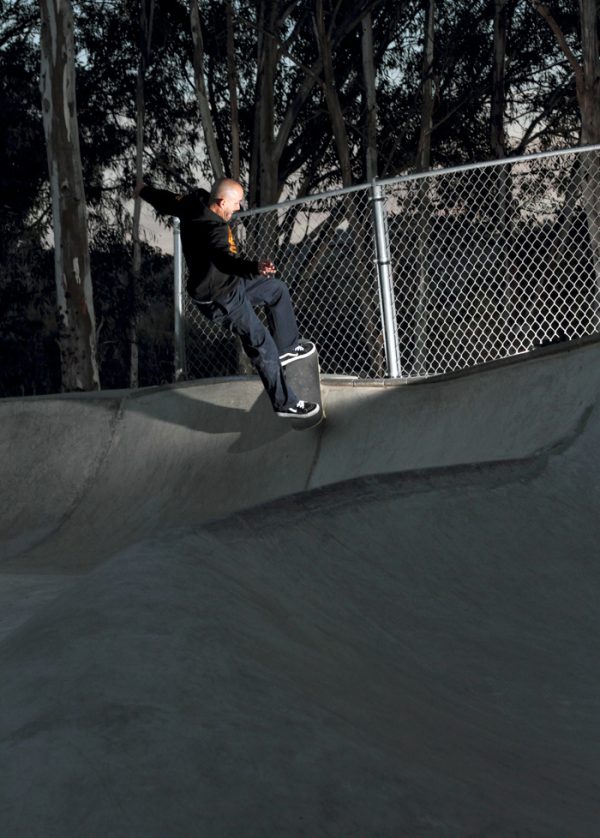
{"x":387,"y":625}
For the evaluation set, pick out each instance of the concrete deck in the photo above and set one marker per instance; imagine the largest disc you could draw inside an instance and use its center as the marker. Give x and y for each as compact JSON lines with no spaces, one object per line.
{"x":214,"y":625}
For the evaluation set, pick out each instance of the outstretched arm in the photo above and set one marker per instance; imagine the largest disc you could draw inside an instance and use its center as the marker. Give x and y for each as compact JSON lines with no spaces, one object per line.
{"x":163,"y":201}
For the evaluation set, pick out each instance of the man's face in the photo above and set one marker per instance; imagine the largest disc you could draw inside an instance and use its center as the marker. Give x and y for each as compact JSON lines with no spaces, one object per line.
{"x":230,"y":203}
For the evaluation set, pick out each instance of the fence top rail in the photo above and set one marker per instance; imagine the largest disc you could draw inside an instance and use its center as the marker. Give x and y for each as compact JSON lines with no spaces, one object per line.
{"x":486,"y":164}
{"x":334,"y":193}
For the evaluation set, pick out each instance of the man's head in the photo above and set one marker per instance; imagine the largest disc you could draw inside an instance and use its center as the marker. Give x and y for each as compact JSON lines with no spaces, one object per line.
{"x":225,"y":198}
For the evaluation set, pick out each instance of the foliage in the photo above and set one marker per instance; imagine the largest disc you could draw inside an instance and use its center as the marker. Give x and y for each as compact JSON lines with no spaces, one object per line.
{"x":23,"y":172}
{"x":29,"y":355}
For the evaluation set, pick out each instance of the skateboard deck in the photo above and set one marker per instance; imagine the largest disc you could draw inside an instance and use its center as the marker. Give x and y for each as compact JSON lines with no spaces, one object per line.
{"x":304,"y":377}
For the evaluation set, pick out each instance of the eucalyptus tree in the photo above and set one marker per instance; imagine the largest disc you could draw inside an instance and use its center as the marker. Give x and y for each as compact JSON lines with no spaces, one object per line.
{"x":146,"y":26}
{"x":577,"y":38}
{"x":370,"y":109}
{"x":498,"y":100}
{"x":110,"y":86}
{"x":540,"y":102}
{"x":580,"y":49}
{"x":298,"y":108}
{"x":77,"y":328}
{"x":105,"y":56}
{"x":433,"y":87}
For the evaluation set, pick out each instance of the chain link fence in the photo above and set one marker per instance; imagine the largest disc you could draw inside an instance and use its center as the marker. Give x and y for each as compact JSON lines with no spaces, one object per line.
{"x":431,"y":273}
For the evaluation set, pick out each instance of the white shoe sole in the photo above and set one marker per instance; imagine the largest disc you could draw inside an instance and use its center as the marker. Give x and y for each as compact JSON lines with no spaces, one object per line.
{"x":284,"y":361}
{"x":308,"y":415}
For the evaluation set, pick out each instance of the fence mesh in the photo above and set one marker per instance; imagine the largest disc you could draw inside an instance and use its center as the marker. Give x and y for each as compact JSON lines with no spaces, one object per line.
{"x":486,"y":262}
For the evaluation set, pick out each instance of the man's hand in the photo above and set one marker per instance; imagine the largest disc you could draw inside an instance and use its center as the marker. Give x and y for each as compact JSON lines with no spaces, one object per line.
{"x":266,"y":267}
{"x":140,"y":185}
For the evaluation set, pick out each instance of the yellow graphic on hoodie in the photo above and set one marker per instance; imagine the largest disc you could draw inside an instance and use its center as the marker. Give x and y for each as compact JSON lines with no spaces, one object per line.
{"x":232,"y":244}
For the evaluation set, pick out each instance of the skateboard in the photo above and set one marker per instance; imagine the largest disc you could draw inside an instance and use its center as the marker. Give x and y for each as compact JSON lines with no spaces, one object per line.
{"x":304,"y":377}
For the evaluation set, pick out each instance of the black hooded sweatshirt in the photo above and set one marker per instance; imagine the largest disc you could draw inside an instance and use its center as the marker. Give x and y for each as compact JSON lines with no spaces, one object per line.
{"x":207,"y":241}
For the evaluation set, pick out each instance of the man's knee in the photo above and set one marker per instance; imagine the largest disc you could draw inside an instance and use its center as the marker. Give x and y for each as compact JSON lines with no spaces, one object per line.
{"x":253,"y":338}
{"x":280,"y":285}
{"x":251,"y":330}
{"x":278,"y":291}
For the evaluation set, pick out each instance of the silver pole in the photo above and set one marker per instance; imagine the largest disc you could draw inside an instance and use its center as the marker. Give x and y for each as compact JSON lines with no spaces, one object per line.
{"x":179,"y":331}
{"x":386,"y":286}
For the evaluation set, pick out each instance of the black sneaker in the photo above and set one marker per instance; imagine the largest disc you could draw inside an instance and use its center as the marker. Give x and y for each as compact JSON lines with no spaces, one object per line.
{"x":302,"y":350}
{"x":300,"y":410}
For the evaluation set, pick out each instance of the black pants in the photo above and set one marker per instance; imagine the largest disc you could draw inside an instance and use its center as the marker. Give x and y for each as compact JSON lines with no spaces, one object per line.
{"x":263,"y":346}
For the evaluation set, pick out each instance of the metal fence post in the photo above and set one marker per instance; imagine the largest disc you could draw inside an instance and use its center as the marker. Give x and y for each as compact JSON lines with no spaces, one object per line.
{"x":386,"y":287}
{"x":179,"y":324}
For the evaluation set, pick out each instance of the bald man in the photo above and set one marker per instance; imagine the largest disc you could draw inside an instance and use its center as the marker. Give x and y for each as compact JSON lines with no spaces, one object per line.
{"x":226,"y":287}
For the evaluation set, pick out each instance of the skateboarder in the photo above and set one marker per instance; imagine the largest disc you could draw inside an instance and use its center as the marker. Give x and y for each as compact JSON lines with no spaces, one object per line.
{"x":225,"y":286}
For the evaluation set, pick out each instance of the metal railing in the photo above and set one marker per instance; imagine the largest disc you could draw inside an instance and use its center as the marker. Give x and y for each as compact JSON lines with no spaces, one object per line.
{"x":428,"y":273}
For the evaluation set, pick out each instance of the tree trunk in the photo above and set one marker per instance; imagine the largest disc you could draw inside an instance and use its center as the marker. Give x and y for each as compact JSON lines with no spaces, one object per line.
{"x":77,"y":329}
{"x":146,"y":24}
{"x":331,"y":96}
{"x":424,"y":209}
{"x":588,"y":94}
{"x":201,"y":95}
{"x":368,"y":63}
{"x":267,"y":67}
{"x":587,"y":74}
{"x":353,"y":208}
{"x":262,"y":233}
{"x":500,"y":180}
{"x":587,"y":82}
{"x":424,"y":145}
{"x":269,"y":141}
{"x":497,"y":138}
{"x":233,"y":99}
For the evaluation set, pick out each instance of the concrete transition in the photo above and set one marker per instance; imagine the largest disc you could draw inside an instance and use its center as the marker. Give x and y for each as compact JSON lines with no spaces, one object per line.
{"x":213,"y":625}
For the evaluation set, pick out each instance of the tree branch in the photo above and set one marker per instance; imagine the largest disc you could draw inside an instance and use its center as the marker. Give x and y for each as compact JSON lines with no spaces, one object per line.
{"x":311,"y":78}
{"x":546,"y":14}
